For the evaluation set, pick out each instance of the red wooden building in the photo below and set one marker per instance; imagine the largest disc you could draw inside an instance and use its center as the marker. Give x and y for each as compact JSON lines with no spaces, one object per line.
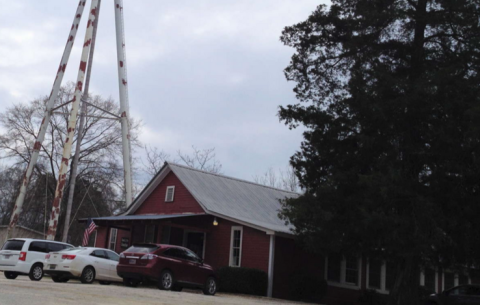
{"x":233,"y":222}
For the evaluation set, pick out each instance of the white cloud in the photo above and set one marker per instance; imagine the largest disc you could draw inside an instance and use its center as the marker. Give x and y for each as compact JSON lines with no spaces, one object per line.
{"x":206,"y":72}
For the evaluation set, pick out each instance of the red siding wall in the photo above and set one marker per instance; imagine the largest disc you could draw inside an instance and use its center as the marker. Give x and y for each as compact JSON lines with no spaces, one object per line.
{"x":255,"y":246}
{"x":255,"y":249}
{"x":101,"y":239}
{"x":183,"y":201}
{"x":255,"y":243}
{"x":120,"y":234}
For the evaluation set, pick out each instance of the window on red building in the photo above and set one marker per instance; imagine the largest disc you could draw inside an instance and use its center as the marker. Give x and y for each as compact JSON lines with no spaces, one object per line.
{"x":374,"y":274}
{"x":449,"y":280}
{"x":343,"y":271}
{"x":169,"y":195}
{"x":351,"y":270}
{"x":113,"y":239}
{"x":430,"y":279}
{"x":236,"y":247}
{"x":334,"y":268}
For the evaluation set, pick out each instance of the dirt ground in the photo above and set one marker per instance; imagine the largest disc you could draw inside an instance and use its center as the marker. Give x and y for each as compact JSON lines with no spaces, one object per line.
{"x":22,"y":291}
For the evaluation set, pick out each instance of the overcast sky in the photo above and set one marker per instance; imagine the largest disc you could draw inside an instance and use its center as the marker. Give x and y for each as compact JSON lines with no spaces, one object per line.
{"x":207,"y":73}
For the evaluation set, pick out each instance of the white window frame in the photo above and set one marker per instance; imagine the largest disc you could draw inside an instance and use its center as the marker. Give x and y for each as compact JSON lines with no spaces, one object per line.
{"x":383,"y":278}
{"x":236,"y":228}
{"x":95,"y":241}
{"x":171,"y":187}
{"x":343,"y":269}
{"x":422,"y":279}
{"x":456,"y":279}
{"x":110,"y":239}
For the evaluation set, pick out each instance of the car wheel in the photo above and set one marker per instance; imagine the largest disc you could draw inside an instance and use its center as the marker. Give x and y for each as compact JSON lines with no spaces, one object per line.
{"x":130,"y":282}
{"x":10,"y":275}
{"x":36,"y":273}
{"x":166,"y":280}
{"x":88,"y":275}
{"x":177,"y":288}
{"x":210,"y":287}
{"x":104,"y":283}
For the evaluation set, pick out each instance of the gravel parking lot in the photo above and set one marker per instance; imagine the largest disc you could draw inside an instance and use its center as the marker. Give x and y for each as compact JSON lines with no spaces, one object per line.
{"x":22,"y":291}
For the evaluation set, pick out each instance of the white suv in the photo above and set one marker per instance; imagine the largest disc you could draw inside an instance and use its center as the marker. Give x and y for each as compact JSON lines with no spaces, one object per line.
{"x":25,"y":256}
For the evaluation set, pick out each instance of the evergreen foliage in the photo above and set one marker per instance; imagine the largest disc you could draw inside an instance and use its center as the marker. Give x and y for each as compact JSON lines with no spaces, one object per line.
{"x":389,"y":94}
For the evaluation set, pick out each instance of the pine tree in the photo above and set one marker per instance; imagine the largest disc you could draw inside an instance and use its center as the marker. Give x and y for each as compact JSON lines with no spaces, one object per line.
{"x":389,"y":94}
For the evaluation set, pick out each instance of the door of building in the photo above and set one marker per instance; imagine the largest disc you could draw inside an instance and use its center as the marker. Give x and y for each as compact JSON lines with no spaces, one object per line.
{"x":195,"y":241}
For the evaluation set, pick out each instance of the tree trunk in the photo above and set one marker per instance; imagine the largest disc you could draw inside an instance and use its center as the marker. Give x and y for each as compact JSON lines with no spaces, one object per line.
{"x":407,"y":281}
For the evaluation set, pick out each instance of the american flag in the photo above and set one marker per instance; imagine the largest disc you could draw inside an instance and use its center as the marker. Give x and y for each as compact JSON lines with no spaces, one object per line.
{"x":88,"y":230}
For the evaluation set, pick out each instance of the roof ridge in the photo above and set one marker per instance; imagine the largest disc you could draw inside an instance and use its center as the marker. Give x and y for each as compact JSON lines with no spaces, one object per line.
{"x":229,"y":177}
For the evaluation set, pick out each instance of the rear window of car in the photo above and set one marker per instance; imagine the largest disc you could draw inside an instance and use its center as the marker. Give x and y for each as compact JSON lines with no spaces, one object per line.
{"x":99,"y":253}
{"x":53,"y":247}
{"x":15,"y":245}
{"x":112,"y":256}
{"x":142,"y":249}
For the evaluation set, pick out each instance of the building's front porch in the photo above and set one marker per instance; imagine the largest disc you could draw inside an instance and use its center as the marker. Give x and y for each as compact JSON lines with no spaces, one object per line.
{"x":187,"y":230}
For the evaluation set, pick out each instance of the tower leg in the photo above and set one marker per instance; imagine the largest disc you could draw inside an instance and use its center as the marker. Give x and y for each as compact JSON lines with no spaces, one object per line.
{"x":123,"y":88}
{"x":48,"y":112}
{"x":67,"y":148}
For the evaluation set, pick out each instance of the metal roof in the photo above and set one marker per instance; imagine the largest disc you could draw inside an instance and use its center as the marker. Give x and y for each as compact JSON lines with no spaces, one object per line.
{"x":235,"y":199}
{"x":143,"y":217}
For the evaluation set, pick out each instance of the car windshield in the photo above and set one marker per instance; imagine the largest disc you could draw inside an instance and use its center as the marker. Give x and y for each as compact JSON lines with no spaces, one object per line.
{"x":15,"y":245}
{"x":142,"y":248}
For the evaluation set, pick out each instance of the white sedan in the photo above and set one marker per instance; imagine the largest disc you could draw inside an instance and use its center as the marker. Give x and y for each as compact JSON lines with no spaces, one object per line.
{"x":86,"y":264}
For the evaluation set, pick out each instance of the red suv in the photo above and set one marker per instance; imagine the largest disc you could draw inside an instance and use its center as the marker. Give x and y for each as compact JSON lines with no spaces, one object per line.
{"x":172,"y":267}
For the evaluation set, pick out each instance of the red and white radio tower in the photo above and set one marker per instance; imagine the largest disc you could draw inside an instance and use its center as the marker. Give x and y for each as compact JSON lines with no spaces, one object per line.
{"x":81,"y":92}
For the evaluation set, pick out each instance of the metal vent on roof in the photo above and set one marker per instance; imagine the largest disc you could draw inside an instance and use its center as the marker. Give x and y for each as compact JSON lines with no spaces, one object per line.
{"x":170,"y":193}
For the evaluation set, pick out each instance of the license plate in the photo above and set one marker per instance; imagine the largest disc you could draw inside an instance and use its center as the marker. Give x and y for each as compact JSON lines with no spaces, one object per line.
{"x":52,"y":267}
{"x":132,"y":261}
{"x":7,"y":256}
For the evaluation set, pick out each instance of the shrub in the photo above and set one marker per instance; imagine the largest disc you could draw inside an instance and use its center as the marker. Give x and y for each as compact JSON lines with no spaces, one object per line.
{"x":371,"y":297}
{"x":243,"y":280}
{"x":307,"y":287}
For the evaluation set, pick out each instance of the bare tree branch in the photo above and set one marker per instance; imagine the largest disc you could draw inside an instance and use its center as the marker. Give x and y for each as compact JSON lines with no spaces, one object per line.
{"x":285,"y":180}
